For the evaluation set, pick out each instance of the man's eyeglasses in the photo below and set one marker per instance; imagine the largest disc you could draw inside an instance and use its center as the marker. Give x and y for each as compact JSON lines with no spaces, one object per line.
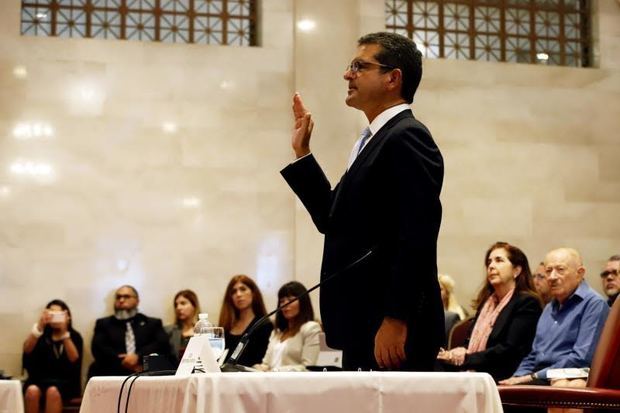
{"x":613,"y":273}
{"x":124,"y":296}
{"x":357,"y":66}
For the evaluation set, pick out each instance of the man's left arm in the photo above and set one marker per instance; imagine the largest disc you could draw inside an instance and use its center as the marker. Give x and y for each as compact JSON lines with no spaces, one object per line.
{"x":414,"y":174}
{"x":590,"y":326}
{"x":157,"y":339}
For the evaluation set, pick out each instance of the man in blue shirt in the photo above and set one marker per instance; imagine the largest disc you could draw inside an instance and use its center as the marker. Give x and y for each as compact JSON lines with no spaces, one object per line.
{"x":570,"y":325}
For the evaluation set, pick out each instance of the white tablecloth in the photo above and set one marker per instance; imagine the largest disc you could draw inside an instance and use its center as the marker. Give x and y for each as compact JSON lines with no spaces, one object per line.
{"x":11,"y":400}
{"x":340,"y":392}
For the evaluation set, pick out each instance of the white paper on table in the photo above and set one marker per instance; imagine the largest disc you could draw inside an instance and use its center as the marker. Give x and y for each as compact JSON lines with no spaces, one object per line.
{"x":569,"y":373}
{"x":197,"y":349}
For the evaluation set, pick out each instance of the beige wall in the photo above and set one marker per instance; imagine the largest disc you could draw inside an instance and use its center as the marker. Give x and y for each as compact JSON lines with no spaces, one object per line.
{"x":531,"y":155}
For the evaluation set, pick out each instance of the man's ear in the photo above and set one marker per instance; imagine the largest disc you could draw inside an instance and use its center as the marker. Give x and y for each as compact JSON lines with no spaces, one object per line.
{"x":395,"y":79}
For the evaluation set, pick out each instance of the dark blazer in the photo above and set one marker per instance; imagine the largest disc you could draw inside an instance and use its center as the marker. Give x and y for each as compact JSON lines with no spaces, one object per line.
{"x":109,"y":341}
{"x":388,"y":201}
{"x":510,"y":340}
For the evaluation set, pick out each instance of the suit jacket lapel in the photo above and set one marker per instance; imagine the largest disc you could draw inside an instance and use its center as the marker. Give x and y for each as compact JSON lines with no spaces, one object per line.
{"x":371,"y":146}
{"x":504,"y":316}
{"x":376,"y":139}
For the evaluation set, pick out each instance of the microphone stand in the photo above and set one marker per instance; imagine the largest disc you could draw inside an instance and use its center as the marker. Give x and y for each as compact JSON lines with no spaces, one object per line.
{"x":232,"y":364}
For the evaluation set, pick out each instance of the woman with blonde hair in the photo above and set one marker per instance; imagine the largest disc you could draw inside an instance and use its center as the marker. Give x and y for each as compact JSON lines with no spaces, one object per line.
{"x":450,"y":303}
{"x":243,"y":306}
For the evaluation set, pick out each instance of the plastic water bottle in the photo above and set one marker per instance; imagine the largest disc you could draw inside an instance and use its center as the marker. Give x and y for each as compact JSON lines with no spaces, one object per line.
{"x":214,"y":334}
{"x":203,"y":325}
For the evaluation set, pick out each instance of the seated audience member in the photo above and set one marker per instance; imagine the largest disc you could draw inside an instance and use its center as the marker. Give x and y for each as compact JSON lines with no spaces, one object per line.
{"x":186,"y":310}
{"x":540,"y":283}
{"x":450,"y":303}
{"x":570,"y":325}
{"x":53,"y":358}
{"x":294,"y":344}
{"x":611,"y":278}
{"x":121,"y":340}
{"x":242,"y":306}
{"x":507,"y":312}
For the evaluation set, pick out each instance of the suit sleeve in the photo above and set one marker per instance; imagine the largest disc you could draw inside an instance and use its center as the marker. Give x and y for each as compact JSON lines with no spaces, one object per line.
{"x":307,"y":180}
{"x":158,"y":341}
{"x":414,"y":175}
{"x":102,"y":349}
{"x":518,"y":340}
{"x":311,"y":346}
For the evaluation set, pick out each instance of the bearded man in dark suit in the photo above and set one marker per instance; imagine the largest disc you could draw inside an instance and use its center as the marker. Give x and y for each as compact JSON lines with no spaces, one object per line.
{"x":122,"y":340}
{"x":386,"y":311}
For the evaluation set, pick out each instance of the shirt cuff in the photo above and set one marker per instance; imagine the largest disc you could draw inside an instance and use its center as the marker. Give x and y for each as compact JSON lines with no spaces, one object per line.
{"x":302,"y":157}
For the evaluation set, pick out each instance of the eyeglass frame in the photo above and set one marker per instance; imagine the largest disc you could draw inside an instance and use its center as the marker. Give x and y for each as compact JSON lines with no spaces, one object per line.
{"x":358,"y":66}
{"x":119,"y":297}
{"x":607,"y":273}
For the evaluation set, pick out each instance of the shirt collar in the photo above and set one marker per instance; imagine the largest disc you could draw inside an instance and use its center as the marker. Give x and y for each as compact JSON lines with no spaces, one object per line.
{"x":386,"y":115}
{"x":579,"y":293}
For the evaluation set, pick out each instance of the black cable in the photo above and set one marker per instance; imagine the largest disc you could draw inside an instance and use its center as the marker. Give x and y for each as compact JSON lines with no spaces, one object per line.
{"x":120,"y":393}
{"x":129,"y":392}
{"x":137,"y":375}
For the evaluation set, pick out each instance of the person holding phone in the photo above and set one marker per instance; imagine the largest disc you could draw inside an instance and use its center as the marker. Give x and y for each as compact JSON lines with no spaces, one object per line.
{"x":53,"y":359}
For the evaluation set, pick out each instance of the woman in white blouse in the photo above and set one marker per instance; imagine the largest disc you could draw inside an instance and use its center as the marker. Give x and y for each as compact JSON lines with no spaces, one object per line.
{"x":294,"y":343}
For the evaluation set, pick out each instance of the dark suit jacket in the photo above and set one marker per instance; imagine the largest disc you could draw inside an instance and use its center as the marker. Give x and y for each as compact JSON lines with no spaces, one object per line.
{"x":510,"y":340}
{"x":109,"y":341}
{"x":388,"y":201}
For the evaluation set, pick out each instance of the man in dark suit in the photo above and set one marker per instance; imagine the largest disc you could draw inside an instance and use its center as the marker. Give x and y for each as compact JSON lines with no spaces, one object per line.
{"x":121,"y":340}
{"x":386,"y":311}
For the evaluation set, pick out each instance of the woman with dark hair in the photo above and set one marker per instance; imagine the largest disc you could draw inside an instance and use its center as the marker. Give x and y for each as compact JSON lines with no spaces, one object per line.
{"x":242,"y":307}
{"x":294,"y":344}
{"x":186,"y":310}
{"x":53,"y":358}
{"x":507,"y":310}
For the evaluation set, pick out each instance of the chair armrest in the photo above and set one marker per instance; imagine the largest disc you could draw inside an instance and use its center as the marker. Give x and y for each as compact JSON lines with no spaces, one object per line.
{"x":546,"y":396}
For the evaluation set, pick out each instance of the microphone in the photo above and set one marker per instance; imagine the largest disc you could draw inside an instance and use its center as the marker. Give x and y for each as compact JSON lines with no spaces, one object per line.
{"x":232,"y":364}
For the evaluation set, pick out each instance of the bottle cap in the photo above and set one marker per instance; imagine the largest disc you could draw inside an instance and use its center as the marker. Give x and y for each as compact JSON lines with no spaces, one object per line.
{"x":203,"y":316}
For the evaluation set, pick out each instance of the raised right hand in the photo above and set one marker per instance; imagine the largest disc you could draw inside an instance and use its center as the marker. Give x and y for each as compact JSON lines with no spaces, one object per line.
{"x":303,"y":127}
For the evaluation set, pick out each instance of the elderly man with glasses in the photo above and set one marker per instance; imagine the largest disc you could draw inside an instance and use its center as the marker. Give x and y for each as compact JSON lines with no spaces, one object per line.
{"x":121,"y":340}
{"x":385,"y":311}
{"x":570,"y":325}
{"x":610,"y":278}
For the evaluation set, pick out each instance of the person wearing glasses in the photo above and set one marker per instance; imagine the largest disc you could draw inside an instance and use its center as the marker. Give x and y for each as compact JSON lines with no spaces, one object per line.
{"x":610,"y":277}
{"x":121,"y":340}
{"x":570,"y":325}
{"x":539,"y":279}
{"x":382,"y":219}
